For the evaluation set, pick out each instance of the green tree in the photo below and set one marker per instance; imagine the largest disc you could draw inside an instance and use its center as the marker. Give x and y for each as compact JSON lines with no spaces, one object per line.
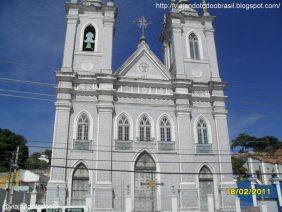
{"x":48,"y":153}
{"x":268,"y":144}
{"x":242,"y":141}
{"x":237,"y":165}
{"x":33,"y":162}
{"x":8,"y":143}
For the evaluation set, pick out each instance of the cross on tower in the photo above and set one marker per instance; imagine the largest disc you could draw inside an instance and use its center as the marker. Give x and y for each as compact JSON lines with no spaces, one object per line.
{"x":143,"y":24}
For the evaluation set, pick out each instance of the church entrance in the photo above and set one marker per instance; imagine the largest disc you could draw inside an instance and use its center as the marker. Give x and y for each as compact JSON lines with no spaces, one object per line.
{"x":205,"y":187}
{"x":144,"y":194}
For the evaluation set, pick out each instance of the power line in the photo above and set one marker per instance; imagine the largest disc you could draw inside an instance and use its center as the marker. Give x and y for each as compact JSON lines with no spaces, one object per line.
{"x":52,"y":84}
{"x":113,"y":146}
{"x":49,"y":84}
{"x":143,"y":171}
{"x":157,"y":153}
{"x":27,"y":81}
{"x":25,"y":64}
{"x":130,"y":161}
{"x":32,"y":98}
{"x":154,"y":172}
{"x":25,"y":92}
{"x":25,"y":97}
{"x":56,"y":67}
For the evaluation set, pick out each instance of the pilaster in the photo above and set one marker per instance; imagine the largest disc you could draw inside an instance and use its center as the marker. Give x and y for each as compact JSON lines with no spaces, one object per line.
{"x":103,"y":188}
{"x":56,"y":188}
{"x":177,"y":48}
{"x":228,"y":202}
{"x":209,"y":33}
{"x":72,"y":20}
{"x":109,"y":21}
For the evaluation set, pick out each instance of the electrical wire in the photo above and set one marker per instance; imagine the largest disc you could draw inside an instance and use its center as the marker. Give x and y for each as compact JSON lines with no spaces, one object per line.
{"x":25,"y":92}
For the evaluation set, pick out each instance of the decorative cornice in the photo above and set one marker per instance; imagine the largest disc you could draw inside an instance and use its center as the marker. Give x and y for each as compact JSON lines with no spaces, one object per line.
{"x":63,"y":105}
{"x":105,"y":106}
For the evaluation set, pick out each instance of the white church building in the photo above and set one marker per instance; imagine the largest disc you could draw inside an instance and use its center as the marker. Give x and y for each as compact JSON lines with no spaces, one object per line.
{"x":146,"y":132}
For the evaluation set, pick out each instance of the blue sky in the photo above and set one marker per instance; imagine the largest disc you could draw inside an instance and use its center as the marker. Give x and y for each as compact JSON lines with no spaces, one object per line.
{"x":249,"y":45}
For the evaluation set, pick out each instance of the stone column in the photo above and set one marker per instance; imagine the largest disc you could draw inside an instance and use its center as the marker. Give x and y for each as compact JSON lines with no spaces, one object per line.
{"x":72,"y":20}
{"x":264,"y":175}
{"x":254,"y":197}
{"x":276,"y":182}
{"x":212,"y":56}
{"x":184,"y":145}
{"x":103,"y":187}
{"x":177,"y":46}
{"x":33,"y":196}
{"x":252,"y":179}
{"x":57,"y":185}
{"x":109,"y":21}
{"x":224,"y":158}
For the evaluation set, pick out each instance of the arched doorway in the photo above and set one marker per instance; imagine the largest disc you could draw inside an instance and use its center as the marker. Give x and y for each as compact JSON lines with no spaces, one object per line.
{"x":205,"y":187}
{"x":80,"y":185}
{"x":144,"y":195}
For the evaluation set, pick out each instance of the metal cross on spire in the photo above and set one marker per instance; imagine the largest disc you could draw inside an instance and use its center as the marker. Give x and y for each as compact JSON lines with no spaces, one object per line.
{"x":143,"y":24}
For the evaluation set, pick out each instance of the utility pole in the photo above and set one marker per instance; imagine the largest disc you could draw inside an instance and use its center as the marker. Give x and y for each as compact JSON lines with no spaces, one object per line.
{"x":12,"y":179}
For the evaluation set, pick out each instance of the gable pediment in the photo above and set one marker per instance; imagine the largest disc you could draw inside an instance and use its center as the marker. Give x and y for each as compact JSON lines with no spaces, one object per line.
{"x":144,"y":64}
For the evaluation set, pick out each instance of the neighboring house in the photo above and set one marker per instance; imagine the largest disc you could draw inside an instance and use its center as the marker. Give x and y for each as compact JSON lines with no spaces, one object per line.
{"x":38,"y":178}
{"x":264,"y":174}
{"x":27,"y":179}
{"x":263,"y":166}
{"x":145,"y":129}
{"x":4,"y":178}
{"x":44,"y":157}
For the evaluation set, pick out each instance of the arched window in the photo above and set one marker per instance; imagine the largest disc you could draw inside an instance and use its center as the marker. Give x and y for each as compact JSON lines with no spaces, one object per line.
{"x":83,"y":127}
{"x":123,"y":128}
{"x":145,"y":129}
{"x":165,"y":129}
{"x":202,"y":131}
{"x":89,"y":39}
{"x":205,"y":186}
{"x":194,"y":46}
{"x":80,"y":185}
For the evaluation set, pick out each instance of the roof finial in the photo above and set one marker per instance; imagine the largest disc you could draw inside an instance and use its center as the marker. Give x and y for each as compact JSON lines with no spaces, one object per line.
{"x":173,"y":5}
{"x":110,"y":3}
{"x":143,"y":24}
{"x":97,"y":3}
{"x":205,"y":8}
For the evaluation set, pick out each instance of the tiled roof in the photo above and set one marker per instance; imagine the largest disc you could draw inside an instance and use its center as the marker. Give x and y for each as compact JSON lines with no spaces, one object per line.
{"x":275,"y":158}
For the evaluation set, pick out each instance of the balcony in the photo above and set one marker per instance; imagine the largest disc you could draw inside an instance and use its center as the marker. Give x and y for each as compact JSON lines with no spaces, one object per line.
{"x":166,"y":146}
{"x":81,"y":144}
{"x":123,"y":145}
{"x":203,"y":148}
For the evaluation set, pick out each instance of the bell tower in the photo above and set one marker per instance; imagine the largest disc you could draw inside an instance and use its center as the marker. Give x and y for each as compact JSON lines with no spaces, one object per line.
{"x":188,"y":41}
{"x":88,"y":51}
{"x":89,"y":37}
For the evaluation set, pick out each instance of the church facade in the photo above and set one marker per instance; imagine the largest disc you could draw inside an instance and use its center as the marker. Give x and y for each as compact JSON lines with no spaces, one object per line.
{"x":147,"y":131}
